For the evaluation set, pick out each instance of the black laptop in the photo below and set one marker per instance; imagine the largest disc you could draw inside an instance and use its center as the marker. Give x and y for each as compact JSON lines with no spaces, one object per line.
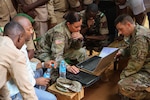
{"x":84,"y":78}
{"x":91,"y":69}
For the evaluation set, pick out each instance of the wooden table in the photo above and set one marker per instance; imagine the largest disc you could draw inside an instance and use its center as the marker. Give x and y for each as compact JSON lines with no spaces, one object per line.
{"x":66,"y":95}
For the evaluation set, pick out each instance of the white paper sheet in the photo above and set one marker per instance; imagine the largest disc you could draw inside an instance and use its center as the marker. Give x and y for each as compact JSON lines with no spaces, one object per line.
{"x":106,"y":51}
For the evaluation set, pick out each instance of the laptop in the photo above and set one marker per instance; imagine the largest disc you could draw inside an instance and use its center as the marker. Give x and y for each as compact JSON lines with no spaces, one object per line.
{"x":84,"y":78}
{"x":92,"y":68}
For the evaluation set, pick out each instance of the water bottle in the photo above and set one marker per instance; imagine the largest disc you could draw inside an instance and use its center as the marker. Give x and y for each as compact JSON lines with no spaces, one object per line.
{"x":46,"y":74}
{"x":62,"y":69}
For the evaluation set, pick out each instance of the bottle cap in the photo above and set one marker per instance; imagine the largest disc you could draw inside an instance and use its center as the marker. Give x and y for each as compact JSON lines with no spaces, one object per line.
{"x":52,"y":65}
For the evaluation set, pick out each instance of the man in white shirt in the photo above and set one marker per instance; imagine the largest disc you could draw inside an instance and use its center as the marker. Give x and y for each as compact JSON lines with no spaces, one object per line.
{"x":41,"y":94}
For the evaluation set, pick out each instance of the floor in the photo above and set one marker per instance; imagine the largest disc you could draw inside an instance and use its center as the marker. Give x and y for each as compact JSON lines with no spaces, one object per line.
{"x":106,"y":89}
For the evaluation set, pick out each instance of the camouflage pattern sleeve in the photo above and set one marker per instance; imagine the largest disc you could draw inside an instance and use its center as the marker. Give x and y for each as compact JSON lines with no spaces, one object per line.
{"x":138,"y":53}
{"x":58,"y":45}
{"x":43,"y":51}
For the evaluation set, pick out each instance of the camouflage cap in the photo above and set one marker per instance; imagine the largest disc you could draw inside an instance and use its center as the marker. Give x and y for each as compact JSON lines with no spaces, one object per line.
{"x":67,"y":85}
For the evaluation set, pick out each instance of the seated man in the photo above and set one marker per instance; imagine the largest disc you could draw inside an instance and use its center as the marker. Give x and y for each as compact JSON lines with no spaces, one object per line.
{"x":13,"y":62}
{"x":94,"y":28}
{"x":43,"y":81}
{"x":135,"y":77}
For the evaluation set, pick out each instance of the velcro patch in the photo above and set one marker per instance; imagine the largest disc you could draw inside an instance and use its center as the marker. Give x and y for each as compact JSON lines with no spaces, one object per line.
{"x":58,"y":41}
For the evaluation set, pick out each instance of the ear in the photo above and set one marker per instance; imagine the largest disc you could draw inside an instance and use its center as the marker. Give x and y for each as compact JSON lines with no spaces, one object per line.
{"x":19,"y":38}
{"x":68,"y":23}
{"x":128,"y":24}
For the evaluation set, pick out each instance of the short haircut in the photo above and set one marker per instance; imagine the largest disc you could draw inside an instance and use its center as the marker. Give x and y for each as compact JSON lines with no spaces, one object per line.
{"x":13,"y":29}
{"x":92,"y":8}
{"x":123,"y":18}
{"x":72,"y":17}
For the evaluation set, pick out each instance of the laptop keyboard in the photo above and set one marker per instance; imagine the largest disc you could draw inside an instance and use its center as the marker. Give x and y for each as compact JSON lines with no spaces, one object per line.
{"x":82,"y":77}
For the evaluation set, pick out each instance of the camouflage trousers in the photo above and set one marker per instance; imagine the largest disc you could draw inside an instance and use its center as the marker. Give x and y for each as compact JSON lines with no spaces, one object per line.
{"x":135,"y":86}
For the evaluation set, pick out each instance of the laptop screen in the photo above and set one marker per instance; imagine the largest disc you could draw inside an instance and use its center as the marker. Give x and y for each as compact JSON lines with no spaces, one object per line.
{"x":96,"y":64}
{"x":90,"y":64}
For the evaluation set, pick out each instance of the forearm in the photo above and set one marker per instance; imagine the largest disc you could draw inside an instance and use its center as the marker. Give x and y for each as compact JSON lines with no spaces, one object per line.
{"x":32,"y":6}
{"x":84,"y":30}
{"x":38,"y":3}
{"x":22,"y":2}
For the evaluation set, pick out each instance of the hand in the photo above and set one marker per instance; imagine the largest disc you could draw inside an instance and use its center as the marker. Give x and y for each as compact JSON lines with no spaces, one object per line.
{"x":76,"y":35}
{"x":73,"y":69}
{"x":118,"y":54}
{"x":48,"y":64}
{"x":90,"y":22}
{"x":42,"y":81}
{"x":31,"y":13}
{"x":25,"y":8}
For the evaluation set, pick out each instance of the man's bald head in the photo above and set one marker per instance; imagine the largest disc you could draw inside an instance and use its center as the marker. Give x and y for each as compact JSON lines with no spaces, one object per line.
{"x":22,"y":20}
{"x":26,"y":24}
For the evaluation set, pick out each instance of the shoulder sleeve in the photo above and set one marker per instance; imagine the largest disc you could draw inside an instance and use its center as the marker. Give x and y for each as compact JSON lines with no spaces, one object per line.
{"x":138,"y":55}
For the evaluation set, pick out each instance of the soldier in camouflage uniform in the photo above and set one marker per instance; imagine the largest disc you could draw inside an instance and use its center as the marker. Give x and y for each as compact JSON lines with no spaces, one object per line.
{"x":64,"y":41}
{"x":94,"y":27}
{"x":135,"y":78}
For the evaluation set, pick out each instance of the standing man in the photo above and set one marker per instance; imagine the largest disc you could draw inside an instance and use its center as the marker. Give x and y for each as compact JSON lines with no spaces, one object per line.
{"x":137,"y":7}
{"x":7,"y":12}
{"x":108,"y":7}
{"x":135,"y":78}
{"x":37,"y":9}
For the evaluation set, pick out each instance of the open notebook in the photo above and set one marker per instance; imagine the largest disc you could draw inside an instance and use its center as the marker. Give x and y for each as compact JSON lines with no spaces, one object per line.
{"x":91,"y":69}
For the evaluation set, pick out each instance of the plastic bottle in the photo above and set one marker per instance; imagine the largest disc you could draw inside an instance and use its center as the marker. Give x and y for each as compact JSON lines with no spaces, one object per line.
{"x":62,"y":69}
{"x":46,"y":74}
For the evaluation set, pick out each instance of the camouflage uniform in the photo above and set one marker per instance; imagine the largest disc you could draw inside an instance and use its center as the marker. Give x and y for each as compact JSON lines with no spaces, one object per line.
{"x":7,"y":12}
{"x":135,"y":78}
{"x":100,"y":28}
{"x":57,"y":42}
